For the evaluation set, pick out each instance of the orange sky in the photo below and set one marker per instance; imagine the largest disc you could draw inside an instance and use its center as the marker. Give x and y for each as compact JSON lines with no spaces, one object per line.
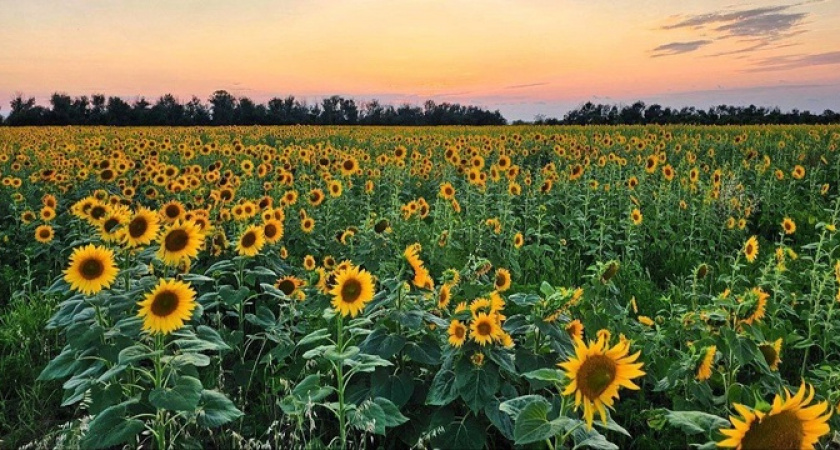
{"x":523,"y":57}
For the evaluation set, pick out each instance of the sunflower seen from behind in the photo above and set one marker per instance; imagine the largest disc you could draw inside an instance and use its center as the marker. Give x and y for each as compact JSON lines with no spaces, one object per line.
{"x":596,"y":373}
{"x":167,"y":307}
{"x":352,"y":291}
{"x":91,"y":269}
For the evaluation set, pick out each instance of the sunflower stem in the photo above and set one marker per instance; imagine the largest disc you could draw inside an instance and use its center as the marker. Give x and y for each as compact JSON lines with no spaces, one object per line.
{"x":340,"y":383}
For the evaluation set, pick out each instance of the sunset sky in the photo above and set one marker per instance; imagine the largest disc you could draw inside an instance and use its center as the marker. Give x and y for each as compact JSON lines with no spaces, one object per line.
{"x":523,"y":57}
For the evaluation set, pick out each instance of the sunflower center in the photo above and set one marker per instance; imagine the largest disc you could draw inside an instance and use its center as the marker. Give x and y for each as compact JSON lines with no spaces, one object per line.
{"x":45,"y":234}
{"x":91,"y":269}
{"x":460,"y":332}
{"x":172,"y":211}
{"x":286,"y":286}
{"x":164,"y":303}
{"x":249,"y":240}
{"x":97,"y":212}
{"x":484,"y":329}
{"x":595,"y":375}
{"x":270,"y":230}
{"x":348,"y":165}
{"x":500,"y":280}
{"x":351,"y":291}
{"x":110,"y":224}
{"x":769,"y":353}
{"x":783,"y":430}
{"x":138,"y":227}
{"x":176,"y":241}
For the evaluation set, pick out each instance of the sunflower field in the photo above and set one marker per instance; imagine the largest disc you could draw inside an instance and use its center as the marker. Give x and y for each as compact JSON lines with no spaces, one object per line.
{"x":384,"y":288}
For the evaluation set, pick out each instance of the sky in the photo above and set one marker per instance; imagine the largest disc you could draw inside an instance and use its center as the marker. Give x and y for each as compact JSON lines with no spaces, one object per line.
{"x":523,"y":57}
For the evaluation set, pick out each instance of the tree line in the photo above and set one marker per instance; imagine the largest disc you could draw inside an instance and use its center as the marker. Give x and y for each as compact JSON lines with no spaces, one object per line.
{"x":641,"y":114}
{"x":223,"y":108}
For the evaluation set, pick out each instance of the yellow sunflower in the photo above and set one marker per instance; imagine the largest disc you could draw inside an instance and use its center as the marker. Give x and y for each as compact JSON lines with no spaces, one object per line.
{"x":457,"y":333}
{"x":91,"y":269}
{"x":751,"y":248}
{"x":44,"y":234}
{"x":772,"y":353}
{"x":167,"y":307}
{"x":502,"y":281}
{"x":597,"y":371}
{"x":575,"y":329}
{"x":251,"y":241}
{"x":485,"y":328}
{"x":704,"y":371}
{"x":790,"y":424}
{"x":289,"y":285}
{"x":788,"y":225}
{"x":353,"y":290}
{"x":272,"y":230}
{"x":180,"y":241}
{"x":636,"y":216}
{"x":142,"y":228}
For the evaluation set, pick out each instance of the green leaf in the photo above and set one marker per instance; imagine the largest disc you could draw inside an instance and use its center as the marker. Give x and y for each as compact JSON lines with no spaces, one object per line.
{"x":184,"y":396}
{"x":135,"y":353}
{"x":427,"y":351}
{"x":189,"y":359}
{"x":695,"y":422}
{"x":481,"y":385}
{"x":550,"y":375}
{"x":466,"y":434}
{"x":396,"y":388}
{"x":443,"y":390}
{"x":593,"y":439}
{"x":532,"y":424}
{"x":515,"y":406}
{"x":383,"y":344}
{"x":211,"y":336}
{"x":61,"y":366}
{"x":215,"y":409}
{"x":500,"y":420}
{"x":374,"y":416}
{"x":111,"y":428}
{"x":315,"y":336}
{"x":348,"y":353}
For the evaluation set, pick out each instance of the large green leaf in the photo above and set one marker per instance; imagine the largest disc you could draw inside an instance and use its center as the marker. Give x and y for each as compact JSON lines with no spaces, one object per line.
{"x":112,"y":427}
{"x":695,"y":422}
{"x":184,"y":396}
{"x":215,"y":409}
{"x":443,"y":390}
{"x":480,"y":387}
{"x":532,"y":424}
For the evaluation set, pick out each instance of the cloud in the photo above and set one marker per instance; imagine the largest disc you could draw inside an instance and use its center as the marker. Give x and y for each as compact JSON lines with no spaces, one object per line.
{"x":789,"y":62}
{"x":676,"y":48}
{"x":757,"y":27}
{"x":520,"y":86}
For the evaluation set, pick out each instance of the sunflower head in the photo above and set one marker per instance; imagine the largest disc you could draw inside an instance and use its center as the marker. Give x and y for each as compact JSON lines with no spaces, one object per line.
{"x":751,"y":248}
{"x":167,"y":307}
{"x":352,"y":290}
{"x":457,"y":333}
{"x":142,"y":228}
{"x":181,"y":240}
{"x":91,"y":269}
{"x":251,"y":241}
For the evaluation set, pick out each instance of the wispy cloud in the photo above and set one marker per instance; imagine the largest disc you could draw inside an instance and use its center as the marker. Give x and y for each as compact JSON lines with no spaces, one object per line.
{"x":521,"y":86}
{"x":759,"y":28}
{"x":675,"y":48}
{"x":789,"y":62}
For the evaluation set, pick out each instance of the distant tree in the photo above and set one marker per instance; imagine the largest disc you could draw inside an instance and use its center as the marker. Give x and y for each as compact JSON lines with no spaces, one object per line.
{"x":117,"y":112}
{"x":223,"y":107}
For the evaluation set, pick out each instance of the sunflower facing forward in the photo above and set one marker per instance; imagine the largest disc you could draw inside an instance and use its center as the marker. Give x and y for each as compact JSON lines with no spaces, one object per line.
{"x":790,"y":424}
{"x":180,"y":241}
{"x":167,"y":307}
{"x":353,"y":290}
{"x":142,"y":228}
{"x":91,"y":269}
{"x":251,"y":241}
{"x":751,"y":248}
{"x":597,"y":371}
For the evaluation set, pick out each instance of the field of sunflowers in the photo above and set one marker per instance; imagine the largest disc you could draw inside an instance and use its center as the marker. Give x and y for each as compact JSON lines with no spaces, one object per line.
{"x":454,"y":288}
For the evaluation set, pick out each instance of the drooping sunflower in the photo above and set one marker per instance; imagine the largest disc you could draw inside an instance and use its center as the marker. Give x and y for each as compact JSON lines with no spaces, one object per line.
{"x":791,"y":423}
{"x":751,"y":248}
{"x":597,"y":371}
{"x":91,"y":269}
{"x":518,"y":240}
{"x":704,"y":370}
{"x":575,"y":329}
{"x":457,"y":333}
{"x":44,"y":234}
{"x":180,"y":241}
{"x":422,"y":278}
{"x":485,"y":328}
{"x":772,"y":353}
{"x":445,"y":295}
{"x":142,"y":228}
{"x":788,"y":225}
{"x":757,"y":301}
{"x":167,"y":307}
{"x":251,"y":241}
{"x":353,"y":290}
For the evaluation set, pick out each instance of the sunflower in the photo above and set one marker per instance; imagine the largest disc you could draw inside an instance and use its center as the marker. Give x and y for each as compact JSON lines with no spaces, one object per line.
{"x":790,"y":424}
{"x":485,"y":328}
{"x":172,"y":211}
{"x":181,"y":240}
{"x":447,"y":191}
{"x":502,"y":281}
{"x":421,"y":279}
{"x":636,"y":216}
{"x":518,"y":240}
{"x":704,"y":370}
{"x":167,"y":307}
{"x":757,"y":300}
{"x":771,"y":352}
{"x":457,"y":333}
{"x":353,"y":290}
{"x":142,"y":228}
{"x":445,"y":295}
{"x":251,"y":241}
{"x":751,"y":248}
{"x":289,"y":285}
{"x":575,"y":329}
{"x":597,"y":371}
{"x":309,"y":263}
{"x":307,"y":225}
{"x":44,"y":234}
{"x":788,"y":225}
{"x":91,"y":269}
